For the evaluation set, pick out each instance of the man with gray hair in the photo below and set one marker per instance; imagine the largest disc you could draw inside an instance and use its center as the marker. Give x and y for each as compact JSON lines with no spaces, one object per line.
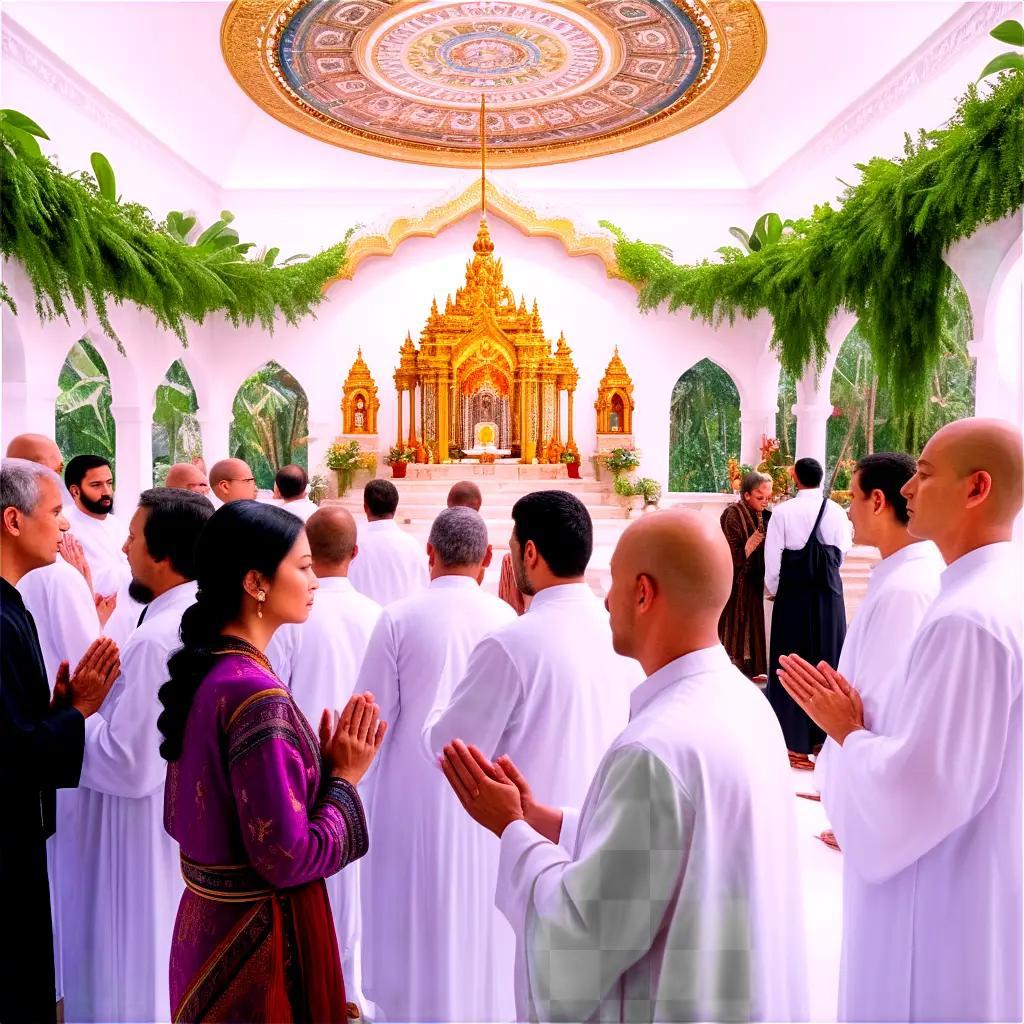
{"x":42,"y":740}
{"x":428,"y":881}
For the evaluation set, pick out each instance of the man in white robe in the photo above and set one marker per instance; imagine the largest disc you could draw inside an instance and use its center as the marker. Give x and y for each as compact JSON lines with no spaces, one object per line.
{"x":674,"y":893}
{"x":102,"y":534}
{"x":434,"y":948}
{"x":120,"y":903}
{"x":928,"y":811}
{"x":61,"y":604}
{"x":290,"y":492}
{"x":391,"y":563}
{"x":319,"y":660}
{"x":547,"y":689}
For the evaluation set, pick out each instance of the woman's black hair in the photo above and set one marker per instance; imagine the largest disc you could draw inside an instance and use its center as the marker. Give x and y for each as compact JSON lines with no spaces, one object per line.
{"x":238,"y":537}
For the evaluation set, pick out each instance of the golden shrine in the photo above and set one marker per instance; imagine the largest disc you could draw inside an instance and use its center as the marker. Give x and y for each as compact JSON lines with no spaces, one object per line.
{"x":485,"y":381}
{"x":359,"y":403}
{"x":614,"y":403}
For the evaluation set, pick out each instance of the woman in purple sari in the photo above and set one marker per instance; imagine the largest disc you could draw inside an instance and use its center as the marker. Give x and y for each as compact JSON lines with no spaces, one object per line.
{"x":262,"y":809}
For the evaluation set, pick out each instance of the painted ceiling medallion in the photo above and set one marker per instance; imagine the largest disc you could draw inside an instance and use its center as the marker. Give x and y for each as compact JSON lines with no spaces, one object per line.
{"x":563,"y":80}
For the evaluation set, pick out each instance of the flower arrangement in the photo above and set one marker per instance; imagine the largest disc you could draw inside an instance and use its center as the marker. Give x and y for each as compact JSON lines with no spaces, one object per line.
{"x":621,"y":460}
{"x":568,"y":457}
{"x":400,"y":453}
{"x":776,"y":465}
{"x":344,"y":457}
{"x":649,"y":489}
{"x":317,"y":488}
{"x":624,"y":487}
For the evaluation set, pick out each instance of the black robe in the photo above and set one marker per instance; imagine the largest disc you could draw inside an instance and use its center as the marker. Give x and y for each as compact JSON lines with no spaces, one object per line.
{"x":41,"y":750}
{"x":809,"y":619}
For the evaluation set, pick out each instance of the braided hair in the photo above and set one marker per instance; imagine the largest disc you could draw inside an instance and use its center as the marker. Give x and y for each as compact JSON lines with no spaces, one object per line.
{"x":237,"y":538}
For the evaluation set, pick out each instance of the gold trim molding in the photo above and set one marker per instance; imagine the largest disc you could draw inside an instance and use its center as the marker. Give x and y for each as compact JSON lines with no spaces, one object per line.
{"x":734,"y":30}
{"x":444,"y":215}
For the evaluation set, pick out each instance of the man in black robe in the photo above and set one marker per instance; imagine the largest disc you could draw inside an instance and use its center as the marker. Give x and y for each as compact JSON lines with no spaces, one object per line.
{"x":42,"y":740}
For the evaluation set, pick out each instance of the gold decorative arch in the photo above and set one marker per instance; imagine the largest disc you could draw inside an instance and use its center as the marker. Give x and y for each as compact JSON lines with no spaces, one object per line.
{"x":431,"y":223}
{"x":359,"y":404}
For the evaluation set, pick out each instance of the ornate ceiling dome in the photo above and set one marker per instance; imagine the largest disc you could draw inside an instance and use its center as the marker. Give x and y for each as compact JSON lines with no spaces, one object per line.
{"x":563,"y":80}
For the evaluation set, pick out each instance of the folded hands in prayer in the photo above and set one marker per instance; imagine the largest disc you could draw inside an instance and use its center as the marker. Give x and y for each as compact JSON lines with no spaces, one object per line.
{"x":827,"y":698}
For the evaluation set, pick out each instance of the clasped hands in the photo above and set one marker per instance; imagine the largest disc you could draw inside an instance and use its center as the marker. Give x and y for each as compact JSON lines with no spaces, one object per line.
{"x":86,"y":690}
{"x":827,"y":698}
{"x":495,"y":793}
{"x":349,"y":741}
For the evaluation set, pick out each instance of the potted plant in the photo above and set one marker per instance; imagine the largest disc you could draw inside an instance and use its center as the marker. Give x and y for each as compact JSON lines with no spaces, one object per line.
{"x":399,"y":458}
{"x":622,"y":460}
{"x":571,"y":461}
{"x":629,"y":496}
{"x":344,"y":457}
{"x":650,"y":490}
{"x":317,"y":488}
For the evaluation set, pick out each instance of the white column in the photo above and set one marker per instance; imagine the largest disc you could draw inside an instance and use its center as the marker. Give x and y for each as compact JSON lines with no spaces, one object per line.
{"x":134,"y":452}
{"x":214,"y":427}
{"x":812,"y":410}
{"x":754,"y":424}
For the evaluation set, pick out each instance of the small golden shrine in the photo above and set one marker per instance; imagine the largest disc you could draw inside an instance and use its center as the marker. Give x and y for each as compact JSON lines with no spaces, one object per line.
{"x":614,"y":403}
{"x":359,"y":403}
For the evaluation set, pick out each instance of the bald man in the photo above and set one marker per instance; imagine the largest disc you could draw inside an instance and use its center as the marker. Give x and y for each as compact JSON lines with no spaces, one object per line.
{"x":465,"y":494}
{"x":320,"y":660}
{"x":188,"y":477}
{"x":232,"y":480}
{"x":674,"y":894}
{"x":927,"y":802}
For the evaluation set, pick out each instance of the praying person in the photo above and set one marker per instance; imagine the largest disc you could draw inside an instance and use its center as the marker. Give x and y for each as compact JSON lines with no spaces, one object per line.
{"x":232,"y":480}
{"x":120,"y":806}
{"x":428,"y":881}
{"x":547,"y":688}
{"x":744,"y":523}
{"x":290,"y":488}
{"x":189,"y":476}
{"x":319,"y":660}
{"x":927,"y":804}
{"x":674,"y":893}
{"x":804,"y":547}
{"x":391,"y":563}
{"x":262,"y":811}
{"x":41,"y":737}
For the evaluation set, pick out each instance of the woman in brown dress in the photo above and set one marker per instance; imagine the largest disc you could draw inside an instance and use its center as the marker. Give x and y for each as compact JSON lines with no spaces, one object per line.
{"x":741,"y":627}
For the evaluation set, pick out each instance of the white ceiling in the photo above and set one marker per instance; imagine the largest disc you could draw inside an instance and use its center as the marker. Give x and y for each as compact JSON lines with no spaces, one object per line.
{"x":161,"y":63}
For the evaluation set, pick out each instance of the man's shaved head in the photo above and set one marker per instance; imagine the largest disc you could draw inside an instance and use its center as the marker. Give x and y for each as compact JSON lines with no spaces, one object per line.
{"x":671,"y":578}
{"x":465,"y":494}
{"x":968,"y":487}
{"x":187,"y":477}
{"x":36,"y":448}
{"x":232,"y":480}
{"x":331,"y":532}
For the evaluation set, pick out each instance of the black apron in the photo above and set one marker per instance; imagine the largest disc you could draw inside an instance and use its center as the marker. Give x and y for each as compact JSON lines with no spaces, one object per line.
{"x":809,"y":619}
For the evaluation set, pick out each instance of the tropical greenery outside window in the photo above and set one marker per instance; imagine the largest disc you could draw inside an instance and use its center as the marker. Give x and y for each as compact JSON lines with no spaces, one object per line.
{"x":176,"y":433}
{"x":704,"y":429}
{"x":270,"y":424}
{"x":84,"y":424}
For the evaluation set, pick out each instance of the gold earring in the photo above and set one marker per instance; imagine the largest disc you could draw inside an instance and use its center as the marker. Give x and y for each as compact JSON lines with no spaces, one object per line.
{"x":261,"y":596}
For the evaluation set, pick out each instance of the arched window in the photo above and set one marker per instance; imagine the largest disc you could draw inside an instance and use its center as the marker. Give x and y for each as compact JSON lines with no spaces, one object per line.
{"x":270,"y":423}
{"x":862,"y":418}
{"x":704,"y":429}
{"x":84,"y":424}
{"x":176,"y":434}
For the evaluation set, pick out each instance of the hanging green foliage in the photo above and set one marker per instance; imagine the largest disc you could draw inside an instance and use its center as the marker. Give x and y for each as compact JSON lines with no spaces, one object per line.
{"x":880,"y":255}
{"x":80,"y":246}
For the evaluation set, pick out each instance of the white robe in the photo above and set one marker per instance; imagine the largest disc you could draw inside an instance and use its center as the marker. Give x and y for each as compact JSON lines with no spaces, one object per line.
{"x":64,"y":612}
{"x":549,"y":690}
{"x":391,"y":563}
{"x":435,"y":948}
{"x":320,"y":660}
{"x":929,"y":814}
{"x":121,"y":903}
{"x":103,"y":541}
{"x":674,"y":893}
{"x":301,"y":507}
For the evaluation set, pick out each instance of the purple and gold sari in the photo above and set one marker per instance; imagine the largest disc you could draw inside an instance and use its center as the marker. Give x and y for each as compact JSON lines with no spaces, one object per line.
{"x":259,"y":830}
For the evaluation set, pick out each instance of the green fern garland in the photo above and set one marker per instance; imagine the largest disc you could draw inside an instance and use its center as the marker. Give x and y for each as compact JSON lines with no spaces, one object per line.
{"x":79,"y":248}
{"x":880,"y":255}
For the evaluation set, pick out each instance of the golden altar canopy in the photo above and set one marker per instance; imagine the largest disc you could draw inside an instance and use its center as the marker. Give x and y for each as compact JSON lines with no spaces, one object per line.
{"x":485,"y":361}
{"x":614,"y":403}
{"x":359,"y":403}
